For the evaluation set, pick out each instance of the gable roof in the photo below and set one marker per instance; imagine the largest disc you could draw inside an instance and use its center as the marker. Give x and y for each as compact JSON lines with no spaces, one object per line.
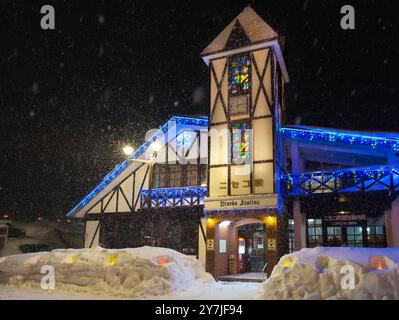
{"x":123,"y":169}
{"x":255,"y":27}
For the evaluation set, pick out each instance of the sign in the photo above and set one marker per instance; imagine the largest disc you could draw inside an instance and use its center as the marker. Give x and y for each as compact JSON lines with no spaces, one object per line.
{"x":241,"y":202}
{"x":271,"y":244}
{"x":210,"y":244}
{"x":345,"y":219}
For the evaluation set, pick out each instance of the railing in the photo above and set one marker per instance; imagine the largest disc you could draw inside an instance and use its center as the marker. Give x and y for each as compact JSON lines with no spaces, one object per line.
{"x":343,"y":180}
{"x":173,"y":197}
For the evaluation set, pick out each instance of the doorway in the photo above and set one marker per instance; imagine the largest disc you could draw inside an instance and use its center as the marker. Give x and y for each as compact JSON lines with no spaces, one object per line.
{"x":251,"y":247}
{"x":350,"y":236}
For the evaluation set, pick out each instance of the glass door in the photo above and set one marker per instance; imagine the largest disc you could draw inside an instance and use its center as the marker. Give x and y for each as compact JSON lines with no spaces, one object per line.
{"x":354,"y":236}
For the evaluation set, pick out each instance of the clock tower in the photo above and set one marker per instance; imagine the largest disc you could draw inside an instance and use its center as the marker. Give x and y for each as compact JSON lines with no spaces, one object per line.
{"x":247,"y":77}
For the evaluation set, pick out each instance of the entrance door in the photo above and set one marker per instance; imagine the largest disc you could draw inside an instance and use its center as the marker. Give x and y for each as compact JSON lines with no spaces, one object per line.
{"x":354,"y":236}
{"x":251,"y":247}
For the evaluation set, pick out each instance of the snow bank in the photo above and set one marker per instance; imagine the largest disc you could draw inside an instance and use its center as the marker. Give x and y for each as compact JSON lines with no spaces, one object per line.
{"x":131,"y":273}
{"x":322,"y":273}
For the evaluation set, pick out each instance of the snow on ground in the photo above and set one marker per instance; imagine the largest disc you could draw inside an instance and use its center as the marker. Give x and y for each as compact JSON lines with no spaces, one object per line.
{"x":322,"y":273}
{"x":159,"y":273}
{"x":139,"y":273}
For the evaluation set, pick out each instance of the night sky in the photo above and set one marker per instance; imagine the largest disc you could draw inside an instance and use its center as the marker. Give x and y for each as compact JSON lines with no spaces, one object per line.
{"x":70,"y":98}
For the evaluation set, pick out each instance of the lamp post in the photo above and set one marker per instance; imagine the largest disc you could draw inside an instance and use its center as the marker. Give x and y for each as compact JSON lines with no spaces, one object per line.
{"x":156,"y":147}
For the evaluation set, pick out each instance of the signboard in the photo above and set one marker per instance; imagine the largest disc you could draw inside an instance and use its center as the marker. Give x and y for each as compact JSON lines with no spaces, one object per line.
{"x":210,"y":244}
{"x":341,"y":220}
{"x":271,"y":244}
{"x":240,"y":202}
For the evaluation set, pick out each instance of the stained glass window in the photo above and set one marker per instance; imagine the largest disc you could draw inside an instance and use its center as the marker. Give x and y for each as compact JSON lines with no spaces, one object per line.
{"x":239,"y":75}
{"x":240,"y":142}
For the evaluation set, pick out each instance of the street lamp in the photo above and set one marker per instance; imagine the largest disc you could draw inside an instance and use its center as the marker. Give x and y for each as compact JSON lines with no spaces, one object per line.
{"x":128,"y":150}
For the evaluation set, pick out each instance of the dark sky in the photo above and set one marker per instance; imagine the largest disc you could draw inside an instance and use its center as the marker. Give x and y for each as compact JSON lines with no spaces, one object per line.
{"x":71,"y":98}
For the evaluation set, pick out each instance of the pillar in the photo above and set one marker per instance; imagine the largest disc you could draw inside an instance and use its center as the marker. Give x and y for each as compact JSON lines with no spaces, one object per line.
{"x":394,"y":224}
{"x":299,"y":226}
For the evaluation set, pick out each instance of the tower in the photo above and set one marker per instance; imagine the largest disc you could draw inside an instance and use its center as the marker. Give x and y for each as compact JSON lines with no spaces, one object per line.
{"x":247,"y":76}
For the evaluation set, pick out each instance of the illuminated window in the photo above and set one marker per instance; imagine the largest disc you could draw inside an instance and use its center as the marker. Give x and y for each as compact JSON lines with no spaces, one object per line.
{"x":239,"y":75}
{"x":241,"y":141}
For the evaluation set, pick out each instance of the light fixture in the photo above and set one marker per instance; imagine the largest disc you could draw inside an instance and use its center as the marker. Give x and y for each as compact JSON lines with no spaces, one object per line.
{"x":156,"y":146}
{"x":128,"y":150}
{"x":225,"y":223}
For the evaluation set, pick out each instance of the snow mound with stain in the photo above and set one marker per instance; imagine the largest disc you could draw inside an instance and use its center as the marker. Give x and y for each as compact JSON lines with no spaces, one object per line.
{"x":319,"y":273}
{"x":132,"y":273}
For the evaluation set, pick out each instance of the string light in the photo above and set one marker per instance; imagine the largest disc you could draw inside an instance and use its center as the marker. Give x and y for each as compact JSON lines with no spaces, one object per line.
{"x":340,"y":137}
{"x":201,"y":122}
{"x":198,"y":193}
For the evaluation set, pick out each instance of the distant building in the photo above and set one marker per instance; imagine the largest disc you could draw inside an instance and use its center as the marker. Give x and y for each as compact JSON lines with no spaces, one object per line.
{"x":240,"y":187}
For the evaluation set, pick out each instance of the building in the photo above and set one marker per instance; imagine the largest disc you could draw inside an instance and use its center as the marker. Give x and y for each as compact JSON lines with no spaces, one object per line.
{"x":239,"y":188}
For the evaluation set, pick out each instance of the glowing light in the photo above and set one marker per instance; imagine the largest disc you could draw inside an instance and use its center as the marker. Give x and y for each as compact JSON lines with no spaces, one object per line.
{"x":210,"y":221}
{"x":340,"y":137}
{"x":156,"y":146}
{"x":111,"y":260}
{"x":186,"y":121}
{"x":225,"y":223}
{"x":128,"y":150}
{"x":169,"y":195}
{"x":72,"y":259}
{"x":271,"y":221}
{"x":287,"y":263}
{"x":380,"y":267}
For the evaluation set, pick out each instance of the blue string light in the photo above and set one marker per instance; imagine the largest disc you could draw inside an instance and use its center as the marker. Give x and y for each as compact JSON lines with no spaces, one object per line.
{"x":340,"y":137}
{"x":356,"y":174}
{"x":201,"y":122}
{"x":176,"y":193}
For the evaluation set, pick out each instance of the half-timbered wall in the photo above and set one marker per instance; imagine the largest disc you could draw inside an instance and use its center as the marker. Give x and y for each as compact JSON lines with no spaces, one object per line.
{"x":257,"y":176}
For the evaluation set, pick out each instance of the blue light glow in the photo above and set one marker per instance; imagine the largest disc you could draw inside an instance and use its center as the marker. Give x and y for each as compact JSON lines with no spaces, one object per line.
{"x":197,"y":192}
{"x":183,"y":139}
{"x":202,"y":122}
{"x":340,"y":137}
{"x":355,"y":175}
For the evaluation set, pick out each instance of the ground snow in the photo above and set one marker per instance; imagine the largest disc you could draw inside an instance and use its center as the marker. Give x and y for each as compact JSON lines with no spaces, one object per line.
{"x":316,"y":274}
{"x":127,"y":273}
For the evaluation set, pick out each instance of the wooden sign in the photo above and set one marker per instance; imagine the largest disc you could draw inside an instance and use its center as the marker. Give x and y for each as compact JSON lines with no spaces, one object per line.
{"x":271,"y":244}
{"x":210,"y":244}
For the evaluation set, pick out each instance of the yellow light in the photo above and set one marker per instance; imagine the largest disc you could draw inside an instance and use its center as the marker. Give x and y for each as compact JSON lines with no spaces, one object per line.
{"x":210,"y":221}
{"x":111,"y":260}
{"x":287,"y":263}
{"x":271,"y":221}
{"x":128,"y":150}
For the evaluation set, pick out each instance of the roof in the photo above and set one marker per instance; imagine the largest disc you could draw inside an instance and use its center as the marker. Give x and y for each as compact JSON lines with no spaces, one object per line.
{"x":255,"y":28}
{"x":366,"y":138}
{"x":116,"y":174}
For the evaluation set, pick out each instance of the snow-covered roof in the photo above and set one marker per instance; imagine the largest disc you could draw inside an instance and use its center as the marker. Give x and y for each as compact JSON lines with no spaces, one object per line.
{"x":366,"y":138}
{"x":254,"y":26}
{"x":116,"y":173}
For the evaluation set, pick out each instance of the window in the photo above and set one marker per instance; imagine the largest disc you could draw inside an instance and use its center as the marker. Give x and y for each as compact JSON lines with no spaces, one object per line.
{"x":334,"y":236}
{"x":240,"y":142}
{"x":375,"y":232}
{"x":175,"y":176}
{"x":239,"y":75}
{"x":169,"y":176}
{"x":315,"y":233}
{"x":354,"y":236}
{"x":291,"y":235}
{"x":192,"y":175}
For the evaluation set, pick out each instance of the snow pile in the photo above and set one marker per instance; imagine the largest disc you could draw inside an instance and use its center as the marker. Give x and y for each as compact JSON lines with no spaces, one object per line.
{"x":323,"y":273}
{"x":131,"y":273}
